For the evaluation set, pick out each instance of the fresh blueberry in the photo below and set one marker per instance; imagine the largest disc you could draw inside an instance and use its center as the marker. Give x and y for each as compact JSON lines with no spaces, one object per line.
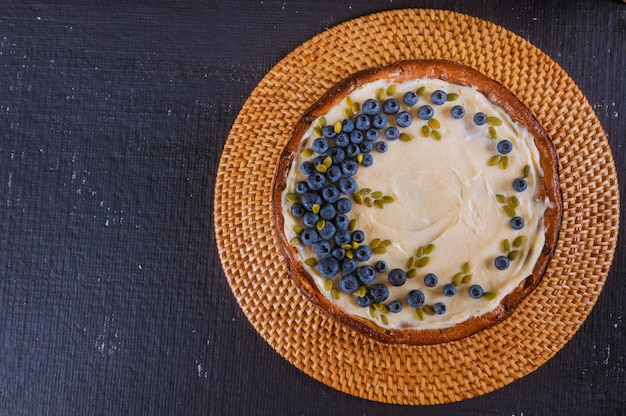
{"x":330,"y":194}
{"x":310,"y":219}
{"x":342,"y":221}
{"x":342,"y":139}
{"x":440,"y":308}
{"x":336,"y":154}
{"x":504,"y":147}
{"x":316,"y":181}
{"x":329,"y":131}
{"x":301,"y":188}
{"x":348,"y":265}
{"x":517,"y":223}
{"x":379,"y":121}
{"x":449,"y":290}
{"x":368,"y":160}
{"x":366,"y":274}
{"x":347,"y":125}
{"x":343,"y":205}
{"x":480,"y":119}
{"x":298,"y":211}
{"x":363,"y":122}
{"x":379,"y":292}
{"x":349,"y":167}
{"x":380,"y":266}
{"x":342,"y":237}
{"x":381,"y":147}
{"x":322,"y":248}
{"x":349,"y":283}
{"x":425,"y":112}
{"x":328,"y":231}
{"x":366,"y":146}
{"x":364,"y":301}
{"x":457,"y":112}
{"x":334,"y":173}
{"x":370,"y":106}
{"x":371,"y":135}
{"x":404,"y":119}
{"x":358,"y":236}
{"x":307,"y":167}
{"x":363,"y":253}
{"x":353,"y":150}
{"x":392,"y":133}
{"x":397,"y":277}
{"x":309,"y":237}
{"x":395,"y":306}
{"x":347,"y":185}
{"x":438,"y":97}
{"x":320,"y":145}
{"x":328,"y":267}
{"x":501,"y":262}
{"x":409,"y":98}
{"x":520,"y":184}
{"x":391,"y":106}
{"x":311,"y":198}
{"x":475,"y":291}
{"x":338,"y":253}
{"x":430,"y":280}
{"x":356,"y":136}
{"x":415,"y":298}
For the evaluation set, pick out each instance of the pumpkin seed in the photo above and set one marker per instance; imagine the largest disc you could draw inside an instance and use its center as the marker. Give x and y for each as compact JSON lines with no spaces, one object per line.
{"x":419,"y":314}
{"x":436,"y":135}
{"x":377,"y":194}
{"x":423,"y":262}
{"x":365,"y":191}
{"x":494,"y":160}
{"x":506,"y":245}
{"x":368,"y":202}
{"x":425,"y":131}
{"x":526,"y":171}
{"x":509,"y":210}
{"x":494,"y":121}
{"x":429,"y":248}
{"x":356,"y":107}
{"x":357,"y":198}
{"x":453,"y":96}
{"x":493,"y":133}
{"x":421,"y":90}
{"x":378,"y":306}
{"x":433,"y":123}
{"x":320,"y":224}
{"x":328,"y":161}
{"x":355,"y":245}
{"x":375,"y":243}
{"x":294,"y":241}
{"x":519,"y":241}
{"x":466,"y":267}
{"x":312,"y":262}
{"x":298,"y":229}
{"x":393,"y":88}
{"x":410,"y":262}
{"x":353,"y":224}
{"x":361,"y":291}
{"x":315,"y":208}
{"x":411,"y":273}
{"x":467,"y":278}
{"x":338,"y":127}
{"x":346,"y":246}
{"x":334,"y":292}
{"x":379,"y":204}
{"x":489,"y":295}
{"x":359,"y":158}
{"x":379,"y":250}
{"x":348,"y":102}
{"x":405,"y":137}
{"x":385,"y":243}
{"x":420,"y":251}
{"x":384,"y":319}
{"x":504,"y":163}
{"x":348,"y":112}
{"x":306,"y":153}
{"x":387,"y":199}
{"x":321,"y":168}
{"x":321,"y":122}
{"x":457,"y":279}
{"x":328,"y":284}
{"x":373,"y":311}
{"x":349,"y":254}
{"x":381,"y":94}
{"x":514,"y":255}
{"x":317,"y":131}
{"x":291,"y":197}
{"x":500,"y":198}
{"x":428,"y":310}
{"x":514,"y":202}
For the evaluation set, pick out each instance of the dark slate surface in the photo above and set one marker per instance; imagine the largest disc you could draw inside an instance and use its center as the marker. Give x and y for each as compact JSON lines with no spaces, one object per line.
{"x":112,"y":121}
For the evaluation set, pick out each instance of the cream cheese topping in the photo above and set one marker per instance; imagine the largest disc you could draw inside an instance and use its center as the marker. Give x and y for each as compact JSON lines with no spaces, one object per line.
{"x":445,"y":195}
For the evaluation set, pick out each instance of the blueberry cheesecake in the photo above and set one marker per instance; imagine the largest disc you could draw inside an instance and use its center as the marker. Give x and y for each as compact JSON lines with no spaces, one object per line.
{"x":418,"y":203}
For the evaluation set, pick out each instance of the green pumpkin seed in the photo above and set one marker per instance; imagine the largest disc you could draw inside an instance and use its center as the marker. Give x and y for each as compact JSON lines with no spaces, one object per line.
{"x":377,"y":194}
{"x":357,"y":198}
{"x":315,"y":208}
{"x":291,"y":197}
{"x":347,"y":112}
{"x":410,"y":263}
{"x":379,"y":250}
{"x":375,"y":243}
{"x":378,"y":306}
{"x":494,"y":121}
{"x":411,"y":273}
{"x":349,"y":254}
{"x":356,"y":107}
{"x":328,"y":284}
{"x":509,"y":210}
{"x":311,"y":262}
{"x":493,"y":133}
{"x":453,"y":96}
{"x":506,"y":245}
{"x":361,"y":291}
{"x":514,"y":202}
{"x":379,"y":204}
{"x":355,"y":245}
{"x":514,"y":255}
{"x":348,"y":101}
{"x":429,"y":248}
{"x":298,"y":229}
{"x":385,"y":243}
{"x":526,"y":171}
{"x":428,"y":310}
{"x":320,"y":224}
{"x":500,"y":198}
{"x":359,"y":158}
{"x":352,"y":224}
{"x":317,"y":132}
{"x":321,"y":122}
{"x":294,"y":241}
{"x":494,"y":160}
{"x":436,"y":135}
{"x":467,"y":278}
{"x":384,"y":319}
{"x":365,"y":191}
{"x":321,"y":168}
{"x":504,"y":163}
{"x":387,"y":199}
{"x":334,"y":292}
{"x":393,"y":88}
{"x":405,"y":137}
{"x":457,"y":279}
{"x":381,"y":94}
{"x":433,"y":123}
{"x":368,"y":202}
{"x":421,"y":90}
{"x":420,"y":251}
{"x":423,"y":262}
{"x":489,"y":295}
{"x":328,"y":161}
{"x":373,"y":312}
{"x":519,"y":241}
{"x":419,"y":314}
{"x":466,"y":268}
{"x":425,"y":131}
{"x":338,"y":127}
{"x":305,"y":153}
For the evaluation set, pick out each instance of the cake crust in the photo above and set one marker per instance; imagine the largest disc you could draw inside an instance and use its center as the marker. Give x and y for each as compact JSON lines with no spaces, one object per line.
{"x":497,"y":94}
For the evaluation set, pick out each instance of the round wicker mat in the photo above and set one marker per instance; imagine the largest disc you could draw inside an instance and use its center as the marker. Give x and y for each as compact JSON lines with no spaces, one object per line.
{"x":356,"y":364}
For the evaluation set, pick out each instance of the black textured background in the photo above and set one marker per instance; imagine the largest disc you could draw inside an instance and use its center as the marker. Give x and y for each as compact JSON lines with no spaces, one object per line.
{"x":113,"y":116}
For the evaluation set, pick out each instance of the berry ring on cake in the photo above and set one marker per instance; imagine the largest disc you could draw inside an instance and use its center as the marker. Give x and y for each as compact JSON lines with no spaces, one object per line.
{"x":418,"y":203}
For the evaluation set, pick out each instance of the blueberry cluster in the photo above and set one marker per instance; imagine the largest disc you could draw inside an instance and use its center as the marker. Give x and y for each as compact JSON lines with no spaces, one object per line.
{"x":322,"y":202}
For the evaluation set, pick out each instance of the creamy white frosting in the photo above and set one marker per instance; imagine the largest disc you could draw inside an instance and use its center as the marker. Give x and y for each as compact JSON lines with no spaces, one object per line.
{"x":445,"y":194}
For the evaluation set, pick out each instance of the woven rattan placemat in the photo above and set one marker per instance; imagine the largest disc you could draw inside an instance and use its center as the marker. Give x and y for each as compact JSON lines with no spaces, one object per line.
{"x":356,"y":364}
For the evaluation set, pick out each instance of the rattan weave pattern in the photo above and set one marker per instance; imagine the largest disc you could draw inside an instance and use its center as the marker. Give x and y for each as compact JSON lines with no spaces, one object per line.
{"x":354,"y":363}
